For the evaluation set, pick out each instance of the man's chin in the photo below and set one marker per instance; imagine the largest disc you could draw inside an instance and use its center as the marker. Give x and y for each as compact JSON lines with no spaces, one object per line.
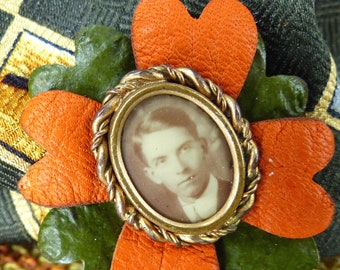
{"x":191,"y":196}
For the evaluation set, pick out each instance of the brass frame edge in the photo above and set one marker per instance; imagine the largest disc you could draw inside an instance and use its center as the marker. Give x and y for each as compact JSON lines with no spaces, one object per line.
{"x":151,"y":81}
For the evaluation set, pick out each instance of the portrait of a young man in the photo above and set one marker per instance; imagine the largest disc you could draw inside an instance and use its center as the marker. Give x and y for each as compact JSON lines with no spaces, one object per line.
{"x":176,"y":159}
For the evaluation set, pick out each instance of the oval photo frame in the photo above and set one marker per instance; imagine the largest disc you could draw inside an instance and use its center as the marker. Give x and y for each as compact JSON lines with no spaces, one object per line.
{"x":180,"y":167}
{"x":123,"y":167}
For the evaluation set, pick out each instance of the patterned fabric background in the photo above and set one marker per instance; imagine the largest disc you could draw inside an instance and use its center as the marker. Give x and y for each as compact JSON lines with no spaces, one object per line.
{"x":35,"y":33}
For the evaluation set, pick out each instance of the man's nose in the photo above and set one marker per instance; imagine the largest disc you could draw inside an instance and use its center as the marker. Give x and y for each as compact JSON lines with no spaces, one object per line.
{"x":179,"y":165}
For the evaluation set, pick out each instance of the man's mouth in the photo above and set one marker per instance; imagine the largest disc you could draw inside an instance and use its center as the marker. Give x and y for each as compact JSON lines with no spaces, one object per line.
{"x":187,"y":179}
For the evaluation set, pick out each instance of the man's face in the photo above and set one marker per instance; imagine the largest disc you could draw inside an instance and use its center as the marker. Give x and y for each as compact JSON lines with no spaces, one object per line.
{"x":175,"y":159}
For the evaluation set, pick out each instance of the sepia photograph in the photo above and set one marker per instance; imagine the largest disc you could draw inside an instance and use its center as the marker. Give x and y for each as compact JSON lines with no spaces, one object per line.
{"x":177,"y":158}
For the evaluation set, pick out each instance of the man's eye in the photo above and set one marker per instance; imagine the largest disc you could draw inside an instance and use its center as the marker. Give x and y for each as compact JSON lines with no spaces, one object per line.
{"x":186,"y":147}
{"x":160,"y":161}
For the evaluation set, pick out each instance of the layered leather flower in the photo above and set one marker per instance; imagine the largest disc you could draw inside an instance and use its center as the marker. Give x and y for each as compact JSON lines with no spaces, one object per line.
{"x":220,"y":45}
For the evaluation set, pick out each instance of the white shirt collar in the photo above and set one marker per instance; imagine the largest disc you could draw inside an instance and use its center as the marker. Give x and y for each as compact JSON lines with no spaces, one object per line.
{"x":206,"y":205}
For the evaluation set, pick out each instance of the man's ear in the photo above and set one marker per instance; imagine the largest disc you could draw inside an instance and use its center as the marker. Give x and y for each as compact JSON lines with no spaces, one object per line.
{"x":149,"y":172}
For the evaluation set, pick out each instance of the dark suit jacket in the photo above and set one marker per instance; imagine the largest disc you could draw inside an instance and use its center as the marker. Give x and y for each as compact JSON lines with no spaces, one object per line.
{"x":172,"y":209}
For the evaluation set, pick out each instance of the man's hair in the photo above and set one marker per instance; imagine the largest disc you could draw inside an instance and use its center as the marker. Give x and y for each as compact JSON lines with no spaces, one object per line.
{"x":160,"y":119}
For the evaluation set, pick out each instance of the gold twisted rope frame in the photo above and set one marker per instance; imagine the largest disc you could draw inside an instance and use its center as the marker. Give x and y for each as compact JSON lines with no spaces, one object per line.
{"x":225,"y":103}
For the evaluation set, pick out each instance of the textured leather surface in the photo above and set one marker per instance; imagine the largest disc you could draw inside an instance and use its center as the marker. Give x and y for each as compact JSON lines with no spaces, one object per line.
{"x":292,"y":151}
{"x":135,"y":250}
{"x":61,"y":122}
{"x":220,"y":45}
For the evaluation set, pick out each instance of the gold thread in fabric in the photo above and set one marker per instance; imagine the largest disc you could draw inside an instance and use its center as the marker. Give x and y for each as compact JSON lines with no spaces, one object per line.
{"x":11,"y":6}
{"x":49,"y":54}
{"x":29,"y":52}
{"x":31,"y":215}
{"x":13,"y":159}
{"x":320,"y":110}
{"x":12,"y":102}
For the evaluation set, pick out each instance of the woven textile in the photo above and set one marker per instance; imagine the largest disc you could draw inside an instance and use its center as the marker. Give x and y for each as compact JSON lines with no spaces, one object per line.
{"x":34,"y":33}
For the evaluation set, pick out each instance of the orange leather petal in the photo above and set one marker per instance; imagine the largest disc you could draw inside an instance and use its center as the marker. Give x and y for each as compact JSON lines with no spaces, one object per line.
{"x":60,"y":122}
{"x":288,"y":202}
{"x":220,"y":45}
{"x":135,"y":250}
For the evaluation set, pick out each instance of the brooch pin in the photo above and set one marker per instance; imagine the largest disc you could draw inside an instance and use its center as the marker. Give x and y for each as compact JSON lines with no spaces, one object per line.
{"x":176,"y":155}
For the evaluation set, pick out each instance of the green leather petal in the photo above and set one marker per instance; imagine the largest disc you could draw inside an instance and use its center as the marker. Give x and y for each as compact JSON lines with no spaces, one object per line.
{"x":252,"y":249}
{"x":264,"y":97}
{"x":86,"y":233}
